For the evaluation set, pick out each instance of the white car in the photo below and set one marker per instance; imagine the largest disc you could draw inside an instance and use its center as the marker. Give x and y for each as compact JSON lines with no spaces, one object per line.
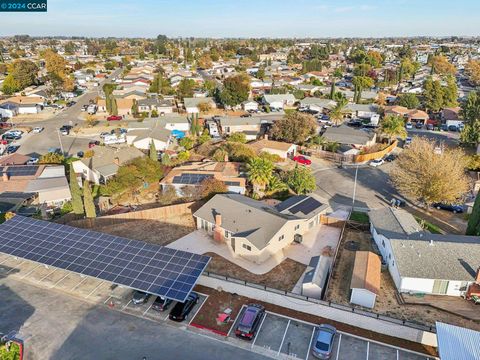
{"x":33,"y":161}
{"x":409,"y":126}
{"x":376,"y":162}
{"x":37,"y":130}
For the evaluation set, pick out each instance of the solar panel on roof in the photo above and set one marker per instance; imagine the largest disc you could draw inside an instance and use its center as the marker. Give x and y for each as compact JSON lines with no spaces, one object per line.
{"x":22,"y":170}
{"x":289,"y":202}
{"x":306,"y":206}
{"x":232,"y":183}
{"x":190,"y":178}
{"x":147,"y":267}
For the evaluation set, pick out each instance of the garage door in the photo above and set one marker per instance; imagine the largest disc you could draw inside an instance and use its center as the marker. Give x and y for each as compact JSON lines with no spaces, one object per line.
{"x":440,"y":287}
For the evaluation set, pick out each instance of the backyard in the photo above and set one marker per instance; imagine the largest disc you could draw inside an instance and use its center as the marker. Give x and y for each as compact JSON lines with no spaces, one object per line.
{"x":282,"y":277}
{"x":386,"y":303}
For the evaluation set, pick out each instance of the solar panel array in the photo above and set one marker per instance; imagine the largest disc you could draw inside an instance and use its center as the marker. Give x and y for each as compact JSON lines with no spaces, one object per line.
{"x":21,"y":170}
{"x":146,"y":267}
{"x":306,"y":206}
{"x":190,"y":178}
{"x":232,"y":183}
{"x":290,"y":202}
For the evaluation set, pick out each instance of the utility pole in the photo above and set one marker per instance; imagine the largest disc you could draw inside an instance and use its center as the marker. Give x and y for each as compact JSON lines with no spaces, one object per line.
{"x":354,"y":188}
{"x":60,"y":141}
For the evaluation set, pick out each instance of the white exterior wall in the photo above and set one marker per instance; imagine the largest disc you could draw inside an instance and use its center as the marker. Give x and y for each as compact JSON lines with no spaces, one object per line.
{"x":250,"y":106}
{"x":144,"y":144}
{"x":363,"y":297}
{"x":192,"y":110}
{"x":178,"y":126}
{"x":29,"y":110}
{"x":276,"y":104}
{"x":385,"y":248}
{"x":87,"y":173}
{"x":416,"y":285}
{"x":312,"y":290}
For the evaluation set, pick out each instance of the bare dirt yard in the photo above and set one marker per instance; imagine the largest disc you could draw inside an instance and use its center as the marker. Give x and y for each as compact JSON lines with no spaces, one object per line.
{"x":387,"y":303}
{"x":156,"y":232}
{"x":282,"y":277}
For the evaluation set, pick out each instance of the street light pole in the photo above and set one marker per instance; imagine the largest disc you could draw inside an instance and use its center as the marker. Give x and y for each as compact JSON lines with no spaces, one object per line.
{"x":60,"y":140}
{"x":354,"y":188}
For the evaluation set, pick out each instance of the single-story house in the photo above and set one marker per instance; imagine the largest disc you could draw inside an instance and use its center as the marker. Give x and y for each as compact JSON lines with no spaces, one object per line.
{"x":12,"y":201}
{"x":365,"y":283}
{"x":417,"y":116}
{"x":315,"y":279}
{"x":14,"y":159}
{"x":129,"y":94}
{"x":23,"y":104}
{"x":346,"y":135}
{"x":191,"y":104}
{"x":255,"y":230}
{"x":162,"y":107}
{"x":175,"y":122}
{"x":317,"y":104}
{"x":363,"y":111}
{"x":142,"y":139}
{"x":105,"y":162}
{"x":251,"y":126}
{"x":397,"y":110}
{"x":193,"y":174}
{"x":451,"y":113}
{"x":250,"y":105}
{"x":279,"y":101}
{"x":124,"y":106}
{"x":282,"y":149}
{"x":421,"y":262}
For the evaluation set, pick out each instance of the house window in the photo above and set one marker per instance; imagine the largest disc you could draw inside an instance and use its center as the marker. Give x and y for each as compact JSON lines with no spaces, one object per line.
{"x":389,"y":256}
{"x":297,"y":227}
{"x":248,"y":247}
{"x":281,"y":238}
{"x":383,"y":243}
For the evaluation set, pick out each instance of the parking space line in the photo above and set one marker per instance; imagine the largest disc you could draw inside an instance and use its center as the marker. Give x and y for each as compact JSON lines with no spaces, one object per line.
{"x":397,"y":354}
{"x":147,"y":309}
{"x":368,"y":349}
{"x":80,"y":283}
{"x":235,"y":320}
{"x":283,"y":338}
{"x":310,"y":344}
{"x":168,"y":314}
{"x":15,"y":268}
{"x":35,"y":268}
{"x":107,"y":299}
{"x":258,"y":331}
{"x":338,"y":347}
{"x":196,"y":312}
{"x":43,"y":278}
{"x":96,"y":287}
{"x":51,"y":287}
{"x":123,"y":308}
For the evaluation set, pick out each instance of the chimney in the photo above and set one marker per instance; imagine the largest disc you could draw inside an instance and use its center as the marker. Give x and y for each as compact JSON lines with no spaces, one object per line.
{"x":5,"y":176}
{"x":218,"y":219}
{"x":477,"y":278}
{"x":265,"y":136}
{"x":116,"y":161}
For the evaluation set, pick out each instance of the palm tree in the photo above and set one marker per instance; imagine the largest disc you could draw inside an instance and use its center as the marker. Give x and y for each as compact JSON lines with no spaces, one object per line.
{"x":259,"y":172}
{"x":393,"y":126}
{"x":276,"y":184}
{"x":338,"y":111}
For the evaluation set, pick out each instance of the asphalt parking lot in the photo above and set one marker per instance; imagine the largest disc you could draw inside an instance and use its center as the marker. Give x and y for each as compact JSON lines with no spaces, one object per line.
{"x":284,"y":337}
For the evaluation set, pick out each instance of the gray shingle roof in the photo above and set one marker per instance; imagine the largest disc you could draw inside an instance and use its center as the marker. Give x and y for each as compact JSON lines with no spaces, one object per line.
{"x":390,"y":220}
{"x":346,"y":135}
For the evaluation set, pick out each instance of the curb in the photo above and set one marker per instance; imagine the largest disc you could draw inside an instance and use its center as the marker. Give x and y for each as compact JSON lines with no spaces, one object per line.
{"x":218,"y":332}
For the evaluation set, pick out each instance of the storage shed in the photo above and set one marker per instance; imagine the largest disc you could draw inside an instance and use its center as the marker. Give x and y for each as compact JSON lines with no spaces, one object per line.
{"x":314,"y":281}
{"x":365,"y":284}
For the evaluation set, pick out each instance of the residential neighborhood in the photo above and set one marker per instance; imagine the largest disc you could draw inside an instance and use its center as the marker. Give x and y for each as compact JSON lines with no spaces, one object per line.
{"x":253,"y":194}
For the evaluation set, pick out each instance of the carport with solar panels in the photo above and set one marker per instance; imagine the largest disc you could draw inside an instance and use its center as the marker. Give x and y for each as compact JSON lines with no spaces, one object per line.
{"x":150,"y":268}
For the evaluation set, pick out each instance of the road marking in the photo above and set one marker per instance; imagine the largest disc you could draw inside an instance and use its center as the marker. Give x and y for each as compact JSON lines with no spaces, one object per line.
{"x":397,"y":354}
{"x":338,"y":347}
{"x":234,"y":321}
{"x":310,"y":344}
{"x":107,"y":299}
{"x":283,"y":339}
{"x":196,"y":312}
{"x":96,"y":287}
{"x":80,"y":283}
{"x":123,"y":308}
{"x":166,"y":317}
{"x":148,"y":309}
{"x":28,"y":273}
{"x":368,"y":349}
{"x":258,"y":331}
{"x":51,"y":287}
{"x":43,"y":278}
{"x":14,"y":268}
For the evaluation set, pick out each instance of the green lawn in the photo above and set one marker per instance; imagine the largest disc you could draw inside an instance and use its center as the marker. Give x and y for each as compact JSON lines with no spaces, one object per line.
{"x":13,"y":354}
{"x":434,"y":229}
{"x":359,"y":216}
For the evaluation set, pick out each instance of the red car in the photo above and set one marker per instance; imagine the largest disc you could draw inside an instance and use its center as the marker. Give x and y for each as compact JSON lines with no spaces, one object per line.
{"x":302,"y":160}
{"x":114,"y":118}
{"x":92,"y":144}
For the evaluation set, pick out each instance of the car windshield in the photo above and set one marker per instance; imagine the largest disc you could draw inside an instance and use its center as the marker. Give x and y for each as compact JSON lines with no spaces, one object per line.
{"x":248,"y":317}
{"x":322,"y":346}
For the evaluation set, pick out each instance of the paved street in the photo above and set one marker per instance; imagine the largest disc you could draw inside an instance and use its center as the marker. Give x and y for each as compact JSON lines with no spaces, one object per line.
{"x":56,"y":326}
{"x":448,"y":137}
{"x":38,"y":144}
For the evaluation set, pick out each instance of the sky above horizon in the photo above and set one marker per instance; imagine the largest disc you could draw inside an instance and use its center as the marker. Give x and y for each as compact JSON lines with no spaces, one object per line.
{"x":248,"y":18}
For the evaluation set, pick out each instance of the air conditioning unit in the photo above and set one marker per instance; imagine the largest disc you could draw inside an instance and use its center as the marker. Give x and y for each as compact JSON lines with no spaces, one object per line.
{"x":297,"y":238}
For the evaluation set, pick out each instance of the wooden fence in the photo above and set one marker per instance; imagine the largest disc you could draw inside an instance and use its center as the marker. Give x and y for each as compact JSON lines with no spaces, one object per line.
{"x":376,"y":155}
{"x":353,"y":159}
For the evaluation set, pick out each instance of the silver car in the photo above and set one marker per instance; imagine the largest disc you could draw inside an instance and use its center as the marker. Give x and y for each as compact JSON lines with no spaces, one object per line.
{"x":322,"y":346}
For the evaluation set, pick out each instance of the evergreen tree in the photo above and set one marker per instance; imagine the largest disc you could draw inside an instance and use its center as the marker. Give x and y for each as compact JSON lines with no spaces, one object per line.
{"x":114,"y":106}
{"x":332,"y":89}
{"x":76,"y":193}
{"x":473,"y":227}
{"x":153,"y":152}
{"x":88,"y":200}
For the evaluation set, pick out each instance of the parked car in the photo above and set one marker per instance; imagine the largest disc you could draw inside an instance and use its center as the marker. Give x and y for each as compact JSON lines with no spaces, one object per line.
{"x":65,"y":129}
{"x":355,"y":123}
{"x":93,"y":143}
{"x":181,"y":310}
{"x":409,"y":125}
{"x":430,"y":127}
{"x":302,"y":160}
{"x":84,"y":107}
{"x":140,"y":297}
{"x":250,"y":321}
{"x":323,"y":343}
{"x":54,"y":150}
{"x":80,"y":154}
{"x":103,"y":134}
{"x":390,"y":158}
{"x":33,"y":161}
{"x":453,"y":128}
{"x":5,"y":125}
{"x":444,"y":127}
{"x":418,"y":125}
{"x":376,"y":162}
{"x":161,"y":303}
{"x":11,"y":136}
{"x":70,"y":103}
{"x":37,"y":130}
{"x":449,"y":207}
{"x":408,"y":141}
{"x":12,"y":149}
{"x":114,"y":118}
{"x":246,"y":115}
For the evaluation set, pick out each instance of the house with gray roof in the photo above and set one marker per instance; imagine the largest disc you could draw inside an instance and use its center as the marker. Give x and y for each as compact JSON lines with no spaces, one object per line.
{"x":255,"y":230}
{"x":191,"y":104}
{"x":422,"y":262}
{"x":279,"y":101}
{"x":317,"y":104}
{"x":346,"y":135}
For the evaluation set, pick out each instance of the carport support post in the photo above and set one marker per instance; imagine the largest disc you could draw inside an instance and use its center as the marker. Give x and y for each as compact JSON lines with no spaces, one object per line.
{"x":354,"y":188}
